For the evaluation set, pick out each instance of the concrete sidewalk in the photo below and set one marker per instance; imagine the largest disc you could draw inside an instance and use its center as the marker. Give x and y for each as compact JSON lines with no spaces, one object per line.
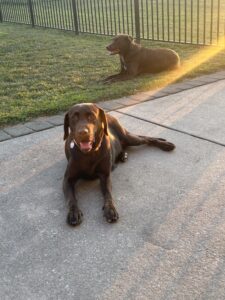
{"x":169,"y":242}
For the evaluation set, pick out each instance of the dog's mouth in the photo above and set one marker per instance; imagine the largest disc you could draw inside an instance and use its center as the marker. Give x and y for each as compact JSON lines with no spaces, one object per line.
{"x":85,"y":146}
{"x":112,"y":51}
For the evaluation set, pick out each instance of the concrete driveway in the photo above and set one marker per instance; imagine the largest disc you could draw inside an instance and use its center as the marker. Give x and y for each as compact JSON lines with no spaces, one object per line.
{"x":169,"y":242}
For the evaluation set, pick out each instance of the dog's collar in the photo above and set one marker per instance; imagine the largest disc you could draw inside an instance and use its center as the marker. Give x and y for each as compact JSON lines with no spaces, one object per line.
{"x":73,"y":143}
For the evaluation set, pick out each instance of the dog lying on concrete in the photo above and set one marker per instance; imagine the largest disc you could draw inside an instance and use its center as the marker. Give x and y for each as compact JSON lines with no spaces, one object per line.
{"x":95,"y":142}
{"x":135,"y":59}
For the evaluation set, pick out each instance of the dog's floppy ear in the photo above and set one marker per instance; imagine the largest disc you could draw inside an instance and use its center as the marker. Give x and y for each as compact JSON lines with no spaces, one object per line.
{"x":66,"y":126}
{"x":103,"y":120}
{"x":130,"y":38}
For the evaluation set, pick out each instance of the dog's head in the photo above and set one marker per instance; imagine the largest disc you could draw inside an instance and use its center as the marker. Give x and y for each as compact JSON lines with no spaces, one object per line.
{"x":86,"y":124}
{"x":120,"y":44}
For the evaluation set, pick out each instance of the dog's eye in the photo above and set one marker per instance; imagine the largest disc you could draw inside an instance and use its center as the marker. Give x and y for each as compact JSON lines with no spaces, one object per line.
{"x":91,"y":117}
{"x":76,"y":117}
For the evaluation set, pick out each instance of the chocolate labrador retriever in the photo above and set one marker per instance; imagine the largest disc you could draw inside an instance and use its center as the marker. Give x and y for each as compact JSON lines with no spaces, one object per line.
{"x":135,"y":59}
{"x":95,"y":142}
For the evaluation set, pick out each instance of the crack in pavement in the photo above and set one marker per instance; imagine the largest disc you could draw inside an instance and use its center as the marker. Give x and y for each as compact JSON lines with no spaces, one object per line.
{"x":171,"y":128}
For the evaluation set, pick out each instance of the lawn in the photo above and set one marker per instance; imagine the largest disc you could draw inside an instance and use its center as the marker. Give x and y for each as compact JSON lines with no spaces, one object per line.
{"x":44,"y":71}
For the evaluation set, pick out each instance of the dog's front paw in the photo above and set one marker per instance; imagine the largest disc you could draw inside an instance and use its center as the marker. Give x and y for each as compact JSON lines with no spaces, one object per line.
{"x":123,"y":156}
{"x":110,"y":213}
{"x":107,"y":81}
{"x":74,"y":217}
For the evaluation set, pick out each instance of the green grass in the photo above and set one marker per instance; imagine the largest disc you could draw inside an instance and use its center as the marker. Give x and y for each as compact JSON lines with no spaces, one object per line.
{"x":43,"y":72}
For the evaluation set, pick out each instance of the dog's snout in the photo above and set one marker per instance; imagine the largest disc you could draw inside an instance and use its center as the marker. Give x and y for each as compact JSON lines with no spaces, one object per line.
{"x":83,"y":131}
{"x":108,"y":47}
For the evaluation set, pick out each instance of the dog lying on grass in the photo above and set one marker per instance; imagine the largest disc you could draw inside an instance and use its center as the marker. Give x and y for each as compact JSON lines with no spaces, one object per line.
{"x":135,"y":59}
{"x":95,"y":142}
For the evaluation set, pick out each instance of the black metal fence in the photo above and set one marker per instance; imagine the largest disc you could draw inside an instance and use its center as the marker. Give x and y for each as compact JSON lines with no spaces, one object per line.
{"x":182,"y":21}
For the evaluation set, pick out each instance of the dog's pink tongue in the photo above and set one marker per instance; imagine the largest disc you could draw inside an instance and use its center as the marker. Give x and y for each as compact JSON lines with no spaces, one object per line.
{"x":85,"y":145}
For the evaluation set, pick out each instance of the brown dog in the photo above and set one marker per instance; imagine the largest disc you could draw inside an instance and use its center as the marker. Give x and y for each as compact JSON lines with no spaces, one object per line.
{"x":135,"y":59}
{"x":95,"y":142}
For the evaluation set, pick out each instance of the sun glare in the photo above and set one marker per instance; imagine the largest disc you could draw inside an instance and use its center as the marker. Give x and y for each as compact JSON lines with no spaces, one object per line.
{"x":196,"y":60}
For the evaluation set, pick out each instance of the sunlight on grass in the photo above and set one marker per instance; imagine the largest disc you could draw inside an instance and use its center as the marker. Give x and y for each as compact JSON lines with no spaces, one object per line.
{"x":194,"y":62}
{"x":3,"y":33}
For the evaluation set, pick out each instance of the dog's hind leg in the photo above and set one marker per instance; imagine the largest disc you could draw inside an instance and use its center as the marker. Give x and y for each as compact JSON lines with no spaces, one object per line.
{"x":130,"y":139}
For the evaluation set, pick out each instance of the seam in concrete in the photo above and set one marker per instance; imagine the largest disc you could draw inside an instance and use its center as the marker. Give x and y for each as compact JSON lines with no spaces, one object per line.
{"x":115,"y":104}
{"x":172,"y":128}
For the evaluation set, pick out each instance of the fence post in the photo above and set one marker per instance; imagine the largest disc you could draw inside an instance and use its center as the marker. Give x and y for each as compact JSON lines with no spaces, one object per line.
{"x":137,"y":20}
{"x":75,"y":17}
{"x":30,"y":5}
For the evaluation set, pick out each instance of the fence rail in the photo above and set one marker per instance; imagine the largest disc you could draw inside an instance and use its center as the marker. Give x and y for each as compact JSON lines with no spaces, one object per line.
{"x":182,"y":21}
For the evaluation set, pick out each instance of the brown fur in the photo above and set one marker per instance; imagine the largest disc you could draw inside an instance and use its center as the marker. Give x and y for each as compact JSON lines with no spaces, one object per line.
{"x":136,"y":60}
{"x":88,"y":122}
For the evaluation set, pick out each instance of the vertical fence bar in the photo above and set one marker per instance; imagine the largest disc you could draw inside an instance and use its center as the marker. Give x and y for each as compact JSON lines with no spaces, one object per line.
{"x":137,"y":20}
{"x":152,"y":15}
{"x":174,"y":32}
{"x":12,"y":10}
{"x":89,"y":16}
{"x":6,"y":12}
{"x":59,"y":11}
{"x":75,"y":17}
{"x":30,"y":5}
{"x":51,"y":15}
{"x":211,"y":25}
{"x":79,"y":7}
{"x":147,"y":19}
{"x":185,"y":21}
{"x":179,"y":22}
{"x":168,"y":20}
{"x":99,"y":17}
{"x":198,"y":22}
{"x":204,"y":20}
{"x":111,"y":24}
{"x":85,"y":16}
{"x":103,"y":17}
{"x":191,"y":21}
{"x":123,"y":17}
{"x":163,"y":34}
{"x":47,"y":16}
{"x":157,"y":19}
{"x":107,"y":16}
{"x":218,"y":22}
{"x":127,"y":14}
{"x":131,"y":17}
{"x":41,"y":14}
{"x":1,"y":15}
{"x":19,"y":17}
{"x":98,"y":28}
{"x":114,"y":15}
{"x":142,"y":19}
{"x":63,"y":15}
{"x":118,"y":15}
{"x":95,"y":15}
